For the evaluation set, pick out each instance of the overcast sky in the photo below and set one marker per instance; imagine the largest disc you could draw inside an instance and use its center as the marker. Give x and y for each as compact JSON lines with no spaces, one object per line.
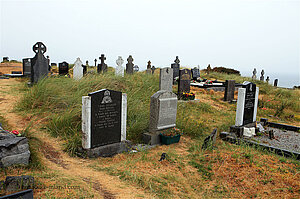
{"x":240,"y":34}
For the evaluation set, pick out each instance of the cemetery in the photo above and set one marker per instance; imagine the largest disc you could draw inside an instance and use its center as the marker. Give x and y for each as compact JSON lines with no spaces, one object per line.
{"x":129,"y":122}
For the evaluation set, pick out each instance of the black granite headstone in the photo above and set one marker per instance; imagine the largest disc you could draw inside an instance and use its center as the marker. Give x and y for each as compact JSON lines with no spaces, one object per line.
{"x":84,"y":68}
{"x":249,"y":102}
{"x":63,"y":68}
{"x":39,"y":64}
{"x":102,"y":67}
{"x":95,"y":62}
{"x":184,"y":82}
{"x":26,"y":66}
{"x":176,"y":67}
{"x":53,"y":64}
{"x":195,"y":73}
{"x":105,"y":117}
{"x":229,"y":90}
{"x":129,"y":65}
{"x":276,"y":82}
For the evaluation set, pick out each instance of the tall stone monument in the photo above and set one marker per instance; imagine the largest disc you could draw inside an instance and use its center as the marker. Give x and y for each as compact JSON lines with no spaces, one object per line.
{"x":176,"y":67}
{"x":102,"y":67}
{"x":268,"y":79}
{"x":184,"y":82}
{"x":166,"y":79}
{"x":229,"y":90}
{"x":254,"y":74}
{"x":78,"y":69}
{"x":148,"y":71}
{"x":26,"y":66}
{"x":276,"y":82}
{"x":95,"y":60}
{"x":208,"y":69}
{"x":39,"y":64}
{"x":119,"y":69}
{"x":104,"y":114}
{"x":129,"y":65}
{"x":262,"y":78}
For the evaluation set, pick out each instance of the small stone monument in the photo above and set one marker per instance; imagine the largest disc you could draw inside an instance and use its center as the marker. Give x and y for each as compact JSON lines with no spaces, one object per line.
{"x":104,"y":114}
{"x":95,"y":60}
{"x":208,"y":69}
{"x":247,"y":104}
{"x":268,"y":79}
{"x":87,"y":63}
{"x":129,"y":65}
{"x":102,"y":67}
{"x":163,"y":110}
{"x":26,"y":66}
{"x":176,"y":67}
{"x":254,"y":74}
{"x":78,"y":69}
{"x":166,"y":79}
{"x":5,"y":59}
{"x":119,"y":69}
{"x":39,"y":64}
{"x":262,"y":78}
{"x":148,"y":71}
{"x":48,"y":58}
{"x":153,"y":69}
{"x":195,"y":73}
{"x":229,"y":90}
{"x":136,"y":68}
{"x":184,"y":82}
{"x":63,"y":68}
{"x":276,"y":82}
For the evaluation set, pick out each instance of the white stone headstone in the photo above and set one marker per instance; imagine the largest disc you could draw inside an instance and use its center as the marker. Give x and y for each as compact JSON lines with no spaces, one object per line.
{"x":77,"y":69}
{"x":119,"y":69}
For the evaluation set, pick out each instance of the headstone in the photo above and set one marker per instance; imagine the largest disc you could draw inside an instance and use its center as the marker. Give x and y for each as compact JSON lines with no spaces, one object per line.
{"x":262,"y":78}
{"x":102,"y":67}
{"x":84,"y":69}
{"x":148,"y":71}
{"x":163,"y":110}
{"x":119,"y":69}
{"x":229,"y":90}
{"x":5,"y":59}
{"x":39,"y":64}
{"x":276,"y":82}
{"x":129,"y":65}
{"x":166,"y":79}
{"x":254,"y":74}
{"x":48,"y":62}
{"x":153,"y":69}
{"x":63,"y":68}
{"x":246,"y":104}
{"x":195,"y":73}
{"x":176,"y":67}
{"x":184,"y":82}
{"x":78,"y":69}
{"x":95,"y":62}
{"x":208,"y":69}
{"x":53,"y":64}
{"x":268,"y":79}
{"x":136,"y":68}
{"x":26,"y":66}
{"x":104,"y":114}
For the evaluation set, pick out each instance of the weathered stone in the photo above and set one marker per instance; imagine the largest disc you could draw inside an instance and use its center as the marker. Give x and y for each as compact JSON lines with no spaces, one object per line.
{"x":262,"y":78}
{"x":276,"y":82}
{"x":176,"y":67}
{"x":119,"y":69}
{"x":166,"y":79}
{"x":129,"y":65}
{"x":78,"y":69}
{"x":184,"y":82}
{"x":195,"y":73}
{"x":26,"y":66}
{"x":39,"y":64}
{"x":102,"y":67}
{"x":229,"y":90}
{"x":63,"y":68}
{"x":16,"y":183}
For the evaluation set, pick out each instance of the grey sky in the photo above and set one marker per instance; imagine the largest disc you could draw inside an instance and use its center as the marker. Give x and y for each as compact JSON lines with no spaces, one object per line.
{"x":235,"y":34}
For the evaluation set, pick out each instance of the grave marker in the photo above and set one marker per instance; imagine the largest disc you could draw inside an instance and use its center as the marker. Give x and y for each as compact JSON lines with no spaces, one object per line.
{"x":276,"y":82}
{"x":184,"y":82}
{"x":229,"y":90}
{"x":166,"y":79}
{"x":136,"y":68}
{"x":148,"y":71}
{"x":119,"y":69}
{"x":39,"y":64}
{"x":129,"y":65}
{"x":254,"y":74}
{"x":78,"y":69}
{"x":153,"y":69}
{"x":102,"y":67}
{"x":176,"y":67}
{"x":268,"y":79}
{"x":195,"y":73}
{"x":63,"y":68}
{"x":26,"y":66}
{"x":262,"y":75}
{"x":95,"y":62}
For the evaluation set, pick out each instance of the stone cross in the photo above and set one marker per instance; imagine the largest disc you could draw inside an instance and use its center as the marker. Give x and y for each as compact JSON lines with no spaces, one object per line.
{"x":95,"y":62}
{"x":102,"y":66}
{"x":176,"y":67}
{"x":153,"y":69}
{"x":177,"y":61}
{"x":268,"y":79}
{"x":262,"y":75}
{"x":148,"y":71}
{"x":129,"y":65}
{"x":254,"y":74}
{"x":39,"y":64}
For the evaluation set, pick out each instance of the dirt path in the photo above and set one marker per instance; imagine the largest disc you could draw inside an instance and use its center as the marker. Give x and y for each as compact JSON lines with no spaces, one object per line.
{"x":99,"y":184}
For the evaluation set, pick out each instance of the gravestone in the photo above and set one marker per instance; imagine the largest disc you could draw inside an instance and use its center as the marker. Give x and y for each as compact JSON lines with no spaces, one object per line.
{"x":26,"y":66}
{"x":276,"y":82}
{"x":262,"y":78}
{"x":166,"y":79}
{"x":129,"y":65}
{"x":119,"y":69}
{"x":195,"y":73}
{"x":5,"y":59}
{"x":63,"y":68}
{"x":136,"y":68}
{"x":208,"y":69}
{"x":268,"y":79}
{"x":102,"y":67}
{"x":153,"y":69}
{"x":184,"y":82}
{"x":246,"y":104}
{"x":254,"y":74}
{"x":87,"y":63}
{"x":163,"y":110}
{"x":229,"y":90}
{"x":104,"y":114}
{"x":48,"y":62}
{"x":148,"y":71}
{"x":84,"y":69}
{"x":53,"y":64}
{"x":176,"y":67}
{"x":78,"y":69}
{"x":95,"y":62}
{"x":39,"y":64}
